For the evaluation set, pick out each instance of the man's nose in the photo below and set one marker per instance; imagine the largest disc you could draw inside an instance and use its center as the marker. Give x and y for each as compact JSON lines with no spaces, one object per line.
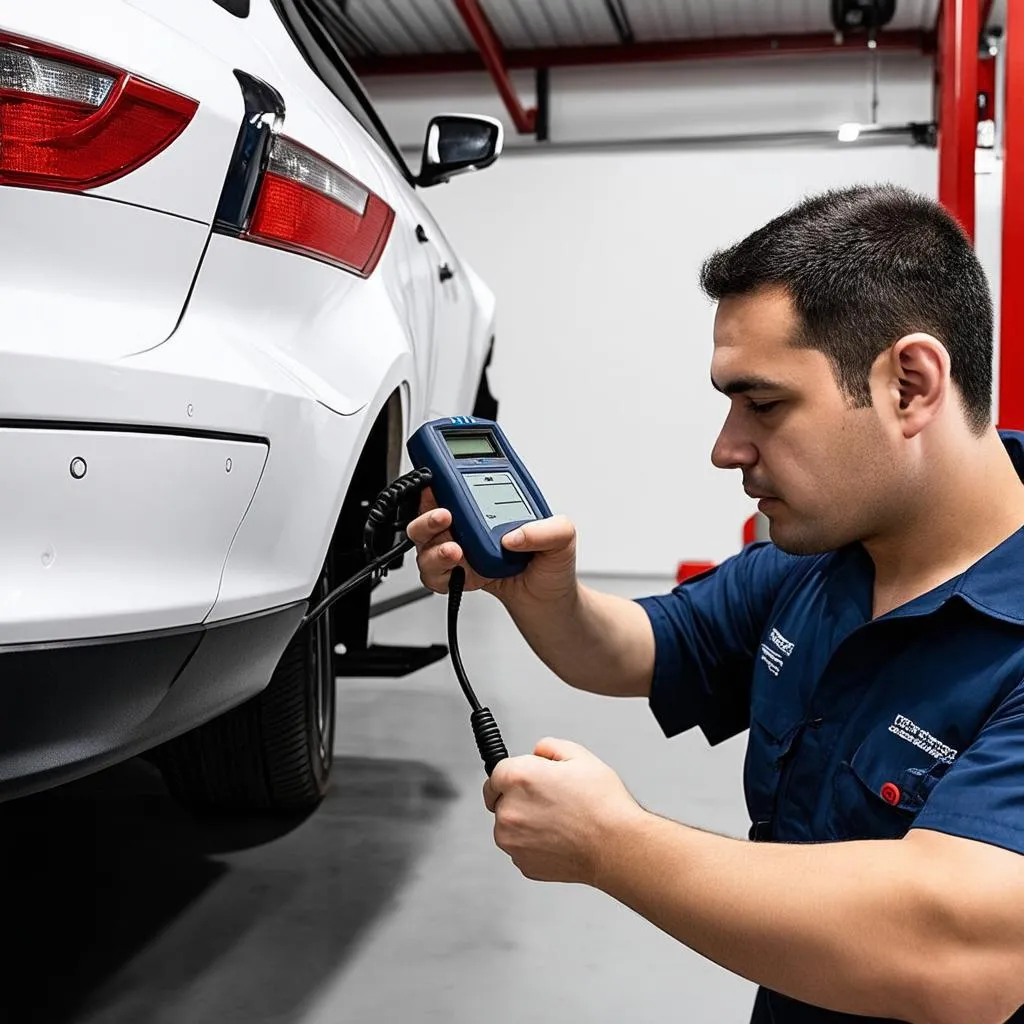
{"x":732,"y":451}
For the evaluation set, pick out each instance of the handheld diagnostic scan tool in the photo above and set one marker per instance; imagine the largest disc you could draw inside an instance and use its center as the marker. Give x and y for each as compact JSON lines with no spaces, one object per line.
{"x":479,"y":478}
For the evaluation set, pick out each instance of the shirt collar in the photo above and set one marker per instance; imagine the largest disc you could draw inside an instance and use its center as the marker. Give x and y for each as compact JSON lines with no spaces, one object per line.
{"x":992,"y":585}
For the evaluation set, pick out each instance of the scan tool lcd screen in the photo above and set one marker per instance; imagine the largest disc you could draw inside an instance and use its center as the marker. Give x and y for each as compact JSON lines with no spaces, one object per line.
{"x":498,"y":498}
{"x":471,"y":446}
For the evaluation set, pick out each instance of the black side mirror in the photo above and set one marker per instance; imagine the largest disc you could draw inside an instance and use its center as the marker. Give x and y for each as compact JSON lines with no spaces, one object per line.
{"x":457,"y":143}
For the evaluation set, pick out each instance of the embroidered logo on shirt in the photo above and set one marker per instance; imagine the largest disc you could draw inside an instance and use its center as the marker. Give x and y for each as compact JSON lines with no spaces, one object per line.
{"x":784,"y":645}
{"x":913,"y":733}
{"x":772,"y":659}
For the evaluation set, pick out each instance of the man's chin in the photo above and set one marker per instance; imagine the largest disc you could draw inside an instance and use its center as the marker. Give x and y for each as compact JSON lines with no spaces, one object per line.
{"x":790,"y":538}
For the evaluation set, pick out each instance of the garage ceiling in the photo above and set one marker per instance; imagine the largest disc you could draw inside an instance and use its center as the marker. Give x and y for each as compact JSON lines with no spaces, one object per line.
{"x":407,"y":27}
{"x":370,"y":28}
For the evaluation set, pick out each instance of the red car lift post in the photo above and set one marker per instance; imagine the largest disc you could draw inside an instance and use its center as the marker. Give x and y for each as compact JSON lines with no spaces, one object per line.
{"x":1011,"y":314}
{"x":957,"y":66}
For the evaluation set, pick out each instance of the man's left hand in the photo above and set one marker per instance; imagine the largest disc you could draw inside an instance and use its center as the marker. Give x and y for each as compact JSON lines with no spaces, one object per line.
{"x":559,"y":811}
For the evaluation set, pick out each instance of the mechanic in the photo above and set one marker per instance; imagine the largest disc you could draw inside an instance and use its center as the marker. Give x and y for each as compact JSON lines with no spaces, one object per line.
{"x":874,"y":649}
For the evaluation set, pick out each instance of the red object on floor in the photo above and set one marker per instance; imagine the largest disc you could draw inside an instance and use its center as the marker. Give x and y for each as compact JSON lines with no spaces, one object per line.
{"x":687,"y":570}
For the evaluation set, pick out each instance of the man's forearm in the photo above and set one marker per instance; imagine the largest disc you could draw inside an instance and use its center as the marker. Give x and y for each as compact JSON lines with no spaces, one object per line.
{"x":855,"y":927}
{"x":596,"y":642}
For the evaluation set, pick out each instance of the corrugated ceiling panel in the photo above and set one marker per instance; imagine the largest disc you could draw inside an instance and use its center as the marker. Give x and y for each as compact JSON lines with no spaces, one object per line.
{"x":563,"y":30}
{"x":693,"y":18}
{"x":522,"y":23}
{"x":647,"y":19}
{"x":594,"y":23}
{"x":432,"y":26}
{"x":447,"y":24}
{"x":696,"y":19}
{"x":419,"y":20}
{"x":382,"y":32}
{"x":508,"y":19}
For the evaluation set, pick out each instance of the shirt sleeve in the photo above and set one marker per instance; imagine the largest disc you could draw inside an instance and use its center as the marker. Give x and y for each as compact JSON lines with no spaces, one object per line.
{"x":981,"y":796}
{"x":706,"y":634}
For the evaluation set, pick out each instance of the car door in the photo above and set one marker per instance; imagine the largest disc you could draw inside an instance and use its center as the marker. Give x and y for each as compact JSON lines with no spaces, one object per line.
{"x":435,"y":288}
{"x":449,"y":385}
{"x":411,"y":278}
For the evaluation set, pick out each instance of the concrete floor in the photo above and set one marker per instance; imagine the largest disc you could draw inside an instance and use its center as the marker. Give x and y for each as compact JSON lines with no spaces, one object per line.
{"x":390,"y":903}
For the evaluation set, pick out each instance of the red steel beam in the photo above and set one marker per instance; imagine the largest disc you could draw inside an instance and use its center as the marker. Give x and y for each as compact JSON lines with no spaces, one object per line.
{"x":640,"y":53}
{"x":1011,"y":292}
{"x":957,"y":66}
{"x":494,"y":59}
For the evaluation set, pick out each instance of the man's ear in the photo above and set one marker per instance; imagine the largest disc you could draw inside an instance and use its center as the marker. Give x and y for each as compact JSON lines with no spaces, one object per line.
{"x":919,"y":365}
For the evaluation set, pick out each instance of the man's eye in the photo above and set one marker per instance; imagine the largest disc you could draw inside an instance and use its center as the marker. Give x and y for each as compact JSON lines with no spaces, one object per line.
{"x":760,"y":408}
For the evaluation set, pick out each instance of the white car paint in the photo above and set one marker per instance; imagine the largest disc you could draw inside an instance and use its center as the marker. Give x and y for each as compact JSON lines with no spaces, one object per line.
{"x":125,"y":314}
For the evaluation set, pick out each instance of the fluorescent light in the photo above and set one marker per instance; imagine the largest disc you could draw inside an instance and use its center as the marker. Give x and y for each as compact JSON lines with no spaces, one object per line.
{"x":849,"y":132}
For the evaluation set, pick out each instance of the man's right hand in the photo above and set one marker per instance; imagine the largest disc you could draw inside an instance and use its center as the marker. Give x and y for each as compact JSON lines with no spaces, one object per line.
{"x":549,"y":576}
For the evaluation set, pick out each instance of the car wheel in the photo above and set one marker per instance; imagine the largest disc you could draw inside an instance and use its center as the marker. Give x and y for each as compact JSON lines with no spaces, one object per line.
{"x":273,"y":752}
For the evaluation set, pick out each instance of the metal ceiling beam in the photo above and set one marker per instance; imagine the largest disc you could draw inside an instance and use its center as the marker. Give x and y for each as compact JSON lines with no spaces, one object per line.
{"x":641,"y":53}
{"x":493,"y":57}
{"x":957,"y":65}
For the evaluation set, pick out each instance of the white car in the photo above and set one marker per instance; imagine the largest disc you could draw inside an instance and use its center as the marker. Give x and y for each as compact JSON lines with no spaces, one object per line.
{"x":225,"y":308}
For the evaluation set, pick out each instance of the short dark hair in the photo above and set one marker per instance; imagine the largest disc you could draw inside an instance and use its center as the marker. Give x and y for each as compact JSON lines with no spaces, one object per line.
{"x":865,"y":266}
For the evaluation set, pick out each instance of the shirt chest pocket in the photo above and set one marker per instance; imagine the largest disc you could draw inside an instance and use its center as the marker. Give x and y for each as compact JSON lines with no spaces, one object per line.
{"x":775,"y":725}
{"x":879,"y":791}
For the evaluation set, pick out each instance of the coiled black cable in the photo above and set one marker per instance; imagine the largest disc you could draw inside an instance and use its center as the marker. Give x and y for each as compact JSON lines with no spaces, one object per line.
{"x":386,"y":507}
{"x":387,"y":511}
{"x":390,"y":502}
{"x":485,"y":729}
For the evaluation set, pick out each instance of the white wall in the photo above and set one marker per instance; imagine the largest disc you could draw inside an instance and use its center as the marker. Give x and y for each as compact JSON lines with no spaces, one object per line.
{"x":692,"y":98}
{"x":604,"y":339}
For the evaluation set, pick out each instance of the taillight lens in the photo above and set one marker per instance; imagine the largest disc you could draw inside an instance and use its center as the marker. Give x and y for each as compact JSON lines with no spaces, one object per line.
{"x":67,"y":122}
{"x":308,"y":205}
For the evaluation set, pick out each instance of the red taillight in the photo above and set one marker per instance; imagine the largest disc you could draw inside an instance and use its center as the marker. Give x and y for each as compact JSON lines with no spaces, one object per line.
{"x":309,"y":205}
{"x":67,"y":122}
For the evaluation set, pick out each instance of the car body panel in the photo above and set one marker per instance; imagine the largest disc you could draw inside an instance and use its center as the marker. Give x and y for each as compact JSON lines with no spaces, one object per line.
{"x":68,"y":287}
{"x":146,"y":341}
{"x":115,"y":532}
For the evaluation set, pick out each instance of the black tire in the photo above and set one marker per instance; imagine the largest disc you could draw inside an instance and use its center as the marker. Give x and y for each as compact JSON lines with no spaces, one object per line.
{"x":274,"y":752}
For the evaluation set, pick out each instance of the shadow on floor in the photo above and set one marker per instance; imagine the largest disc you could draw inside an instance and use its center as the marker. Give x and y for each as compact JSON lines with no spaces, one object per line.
{"x":116,"y":905}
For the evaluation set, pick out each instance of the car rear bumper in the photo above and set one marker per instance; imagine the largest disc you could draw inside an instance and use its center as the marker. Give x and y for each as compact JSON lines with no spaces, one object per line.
{"x":71,"y":708}
{"x":111,"y":530}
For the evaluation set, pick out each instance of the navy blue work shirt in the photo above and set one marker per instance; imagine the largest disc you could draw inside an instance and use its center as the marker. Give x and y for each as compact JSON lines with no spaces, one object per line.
{"x":859,"y":728}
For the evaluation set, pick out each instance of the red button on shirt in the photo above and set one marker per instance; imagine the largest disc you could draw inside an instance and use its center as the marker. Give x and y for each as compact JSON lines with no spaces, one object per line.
{"x":891,"y":793}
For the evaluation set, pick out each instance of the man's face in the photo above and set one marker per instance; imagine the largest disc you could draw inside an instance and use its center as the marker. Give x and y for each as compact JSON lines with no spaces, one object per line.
{"x":826,"y":472}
